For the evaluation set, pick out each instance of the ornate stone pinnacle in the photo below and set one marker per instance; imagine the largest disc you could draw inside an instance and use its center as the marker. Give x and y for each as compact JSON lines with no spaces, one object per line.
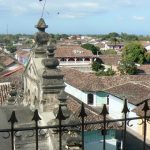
{"x":41,"y":25}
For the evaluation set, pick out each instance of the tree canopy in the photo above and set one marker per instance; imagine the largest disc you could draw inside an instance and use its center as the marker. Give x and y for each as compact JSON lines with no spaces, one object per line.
{"x":91,"y":47}
{"x":96,"y":66}
{"x":122,"y":37}
{"x":134,"y":52}
{"x":11,"y":48}
{"x":147,"y":57}
{"x":127,"y":67}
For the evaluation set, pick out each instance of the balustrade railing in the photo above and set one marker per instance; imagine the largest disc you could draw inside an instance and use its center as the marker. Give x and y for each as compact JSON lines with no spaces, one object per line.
{"x":122,"y":123}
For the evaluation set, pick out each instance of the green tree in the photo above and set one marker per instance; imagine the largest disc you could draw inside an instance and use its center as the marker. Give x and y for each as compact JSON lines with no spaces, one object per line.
{"x":129,"y":37}
{"x":114,"y":40}
{"x":7,"y":40}
{"x":113,"y":35}
{"x":127,"y":67}
{"x":91,"y":47}
{"x":108,"y":52}
{"x":96,"y":66}
{"x":134,"y":52}
{"x":11,"y":48}
{"x":147,"y":57}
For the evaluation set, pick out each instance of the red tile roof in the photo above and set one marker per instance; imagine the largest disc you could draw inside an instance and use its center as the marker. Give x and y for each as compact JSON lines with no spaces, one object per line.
{"x":5,"y":59}
{"x":72,"y":51}
{"x":134,"y":93}
{"x":138,"y":85}
{"x":8,"y":61}
{"x":139,"y":109}
{"x":12,"y":76}
{"x":145,"y":69}
{"x":110,"y":59}
{"x":91,"y":82}
{"x":92,"y":114}
{"x":22,"y":53}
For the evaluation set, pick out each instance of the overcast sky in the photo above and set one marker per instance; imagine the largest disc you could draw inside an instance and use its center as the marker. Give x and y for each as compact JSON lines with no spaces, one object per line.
{"x":76,"y":16}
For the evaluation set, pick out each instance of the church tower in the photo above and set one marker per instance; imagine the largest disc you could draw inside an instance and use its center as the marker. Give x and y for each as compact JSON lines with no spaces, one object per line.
{"x":44,"y":88}
{"x":43,"y":81}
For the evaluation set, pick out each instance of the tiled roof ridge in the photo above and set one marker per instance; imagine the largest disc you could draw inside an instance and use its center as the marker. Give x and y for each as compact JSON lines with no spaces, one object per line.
{"x":72,"y":51}
{"x":91,"y":82}
{"x":117,"y":85}
{"x":128,"y":82}
{"x":139,"y":82}
{"x":16,"y":61}
{"x":13,"y":71}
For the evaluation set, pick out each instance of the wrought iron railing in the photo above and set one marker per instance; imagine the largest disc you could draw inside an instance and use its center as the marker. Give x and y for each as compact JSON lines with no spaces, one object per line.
{"x":122,"y":124}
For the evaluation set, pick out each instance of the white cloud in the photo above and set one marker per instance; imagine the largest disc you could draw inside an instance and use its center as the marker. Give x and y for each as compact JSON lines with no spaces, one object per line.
{"x":68,"y":9}
{"x":83,"y":5}
{"x":138,"y":18}
{"x":72,"y":15}
{"x":17,"y":7}
{"x":129,"y":3}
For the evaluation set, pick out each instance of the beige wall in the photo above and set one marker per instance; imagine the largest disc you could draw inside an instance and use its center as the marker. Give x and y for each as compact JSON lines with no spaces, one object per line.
{"x":141,"y":130}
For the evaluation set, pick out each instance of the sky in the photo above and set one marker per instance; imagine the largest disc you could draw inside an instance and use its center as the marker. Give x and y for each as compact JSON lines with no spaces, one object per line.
{"x":76,"y":16}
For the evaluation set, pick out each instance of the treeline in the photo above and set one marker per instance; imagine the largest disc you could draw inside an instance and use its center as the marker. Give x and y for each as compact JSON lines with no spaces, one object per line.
{"x":123,"y":37}
{"x":7,"y":39}
{"x":13,"y":38}
{"x":113,"y":36}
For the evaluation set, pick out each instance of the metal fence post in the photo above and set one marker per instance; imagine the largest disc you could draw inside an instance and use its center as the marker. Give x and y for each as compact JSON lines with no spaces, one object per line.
{"x":145,"y":109}
{"x":36,"y":118}
{"x":104,"y":113}
{"x":60,"y":117}
{"x":12,"y":120}
{"x":82,"y":115}
{"x":125,"y":111}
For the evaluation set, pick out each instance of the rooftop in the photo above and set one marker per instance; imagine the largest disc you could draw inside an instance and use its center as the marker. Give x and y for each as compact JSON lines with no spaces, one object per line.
{"x":144,"y":69}
{"x":135,"y":93}
{"x":72,"y":51}
{"x":6,"y":60}
{"x":135,"y":88}
{"x":92,"y":114}
{"x":111,"y":60}
{"x":23,"y":53}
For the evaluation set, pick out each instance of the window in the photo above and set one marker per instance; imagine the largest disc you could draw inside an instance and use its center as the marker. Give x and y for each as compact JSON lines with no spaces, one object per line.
{"x":35,"y":100}
{"x":90,"y":99}
{"x":28,"y":92}
{"x":107,"y":99}
{"x":29,"y":69}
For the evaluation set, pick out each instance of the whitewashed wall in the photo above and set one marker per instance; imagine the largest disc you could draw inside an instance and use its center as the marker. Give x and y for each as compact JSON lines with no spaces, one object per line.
{"x":116,"y":104}
{"x":115,"y":109}
{"x":79,"y":94}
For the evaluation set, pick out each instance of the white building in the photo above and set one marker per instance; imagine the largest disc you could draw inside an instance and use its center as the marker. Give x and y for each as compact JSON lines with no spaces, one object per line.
{"x":75,"y":57}
{"x":95,"y":91}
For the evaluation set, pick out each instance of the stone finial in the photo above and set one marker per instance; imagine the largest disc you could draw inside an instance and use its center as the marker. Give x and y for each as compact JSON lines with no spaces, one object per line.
{"x":62,"y":96}
{"x":41,"y":25}
{"x":41,"y":39}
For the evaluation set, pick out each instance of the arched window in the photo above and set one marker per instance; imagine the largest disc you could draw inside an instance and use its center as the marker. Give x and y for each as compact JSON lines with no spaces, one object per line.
{"x":35,"y":101}
{"x":90,"y":99}
{"x":29,"y":69}
{"x":28,"y":92}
